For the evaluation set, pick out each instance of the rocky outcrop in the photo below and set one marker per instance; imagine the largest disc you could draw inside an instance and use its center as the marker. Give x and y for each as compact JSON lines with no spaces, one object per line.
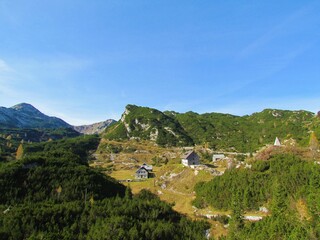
{"x":95,"y":128}
{"x":143,"y":123}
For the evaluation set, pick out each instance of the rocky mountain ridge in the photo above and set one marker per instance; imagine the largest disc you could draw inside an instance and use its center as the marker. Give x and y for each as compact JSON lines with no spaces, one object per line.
{"x":95,"y":128}
{"x":215,"y":130}
{"x":25,"y":115}
{"x":149,"y":124}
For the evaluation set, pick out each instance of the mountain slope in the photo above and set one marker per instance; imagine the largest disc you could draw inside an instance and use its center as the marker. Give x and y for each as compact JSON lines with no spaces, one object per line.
{"x":218,"y":131}
{"x":26,"y":116}
{"x":95,"y":128}
{"x":248,"y":133}
{"x":52,"y":193}
{"x":215,"y":129}
{"x":149,"y":124}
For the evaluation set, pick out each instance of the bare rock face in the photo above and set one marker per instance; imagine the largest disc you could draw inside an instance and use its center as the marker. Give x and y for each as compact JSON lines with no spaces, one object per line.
{"x":126,"y":112}
{"x":95,"y":128}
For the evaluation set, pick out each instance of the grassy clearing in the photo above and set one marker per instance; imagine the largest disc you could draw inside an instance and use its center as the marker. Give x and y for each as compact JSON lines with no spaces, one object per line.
{"x":173,"y":182}
{"x":181,"y":202}
{"x":136,"y":187}
{"x":123,"y":174}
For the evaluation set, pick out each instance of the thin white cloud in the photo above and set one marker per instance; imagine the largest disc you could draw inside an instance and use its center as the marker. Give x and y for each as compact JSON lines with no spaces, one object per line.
{"x":6,"y":79}
{"x":36,"y":81}
{"x":56,"y":66}
{"x":40,"y":74}
{"x":273,"y":66}
{"x":264,"y":71}
{"x":4,"y":67}
{"x":273,"y":33}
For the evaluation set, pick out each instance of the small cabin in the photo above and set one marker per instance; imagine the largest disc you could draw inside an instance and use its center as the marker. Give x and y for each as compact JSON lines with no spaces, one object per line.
{"x":142,"y":173}
{"x":190,"y":158}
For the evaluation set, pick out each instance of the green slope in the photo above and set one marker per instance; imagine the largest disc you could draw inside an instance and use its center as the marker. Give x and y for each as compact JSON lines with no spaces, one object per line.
{"x":219,"y":131}
{"x":281,"y":184}
{"x":149,"y":124}
{"x":10,"y":138}
{"x":248,"y":133}
{"x":53,"y":194}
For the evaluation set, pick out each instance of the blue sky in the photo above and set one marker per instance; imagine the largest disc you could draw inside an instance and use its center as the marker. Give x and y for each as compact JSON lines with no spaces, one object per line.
{"x":84,"y":61}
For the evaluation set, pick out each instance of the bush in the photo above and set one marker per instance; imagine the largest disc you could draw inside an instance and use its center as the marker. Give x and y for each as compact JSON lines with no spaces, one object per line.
{"x":260,"y":166}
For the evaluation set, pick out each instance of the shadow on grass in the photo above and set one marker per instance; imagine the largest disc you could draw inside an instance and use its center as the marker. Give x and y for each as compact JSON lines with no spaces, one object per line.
{"x":210,"y":165}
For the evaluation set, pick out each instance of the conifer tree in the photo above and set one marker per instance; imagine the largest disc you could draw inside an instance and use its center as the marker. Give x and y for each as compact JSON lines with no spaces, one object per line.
{"x":279,"y":200}
{"x":237,"y":221}
{"x":128,"y":193}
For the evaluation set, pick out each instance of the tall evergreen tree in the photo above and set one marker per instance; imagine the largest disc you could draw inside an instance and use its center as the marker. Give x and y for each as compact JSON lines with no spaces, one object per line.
{"x":279,"y":200}
{"x":237,"y":221}
{"x":128,"y":193}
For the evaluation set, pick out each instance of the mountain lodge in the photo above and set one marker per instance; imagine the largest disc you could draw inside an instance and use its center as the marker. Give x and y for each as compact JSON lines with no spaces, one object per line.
{"x":144,"y":171}
{"x":190,"y":158}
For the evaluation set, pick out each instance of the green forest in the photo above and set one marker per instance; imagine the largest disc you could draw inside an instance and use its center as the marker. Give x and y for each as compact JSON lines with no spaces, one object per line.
{"x":11,"y":138}
{"x":279,"y":184}
{"x":250,"y":132}
{"x":221,"y":132}
{"x":52,"y":193}
{"x":49,"y":191}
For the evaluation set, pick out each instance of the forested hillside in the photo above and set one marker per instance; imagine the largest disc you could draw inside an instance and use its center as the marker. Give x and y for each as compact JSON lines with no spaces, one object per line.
{"x":248,"y":133}
{"x":11,"y":138}
{"x":52,"y":193}
{"x":287,"y":185}
{"x":221,"y":132}
{"x":148,"y":124}
{"x":49,"y":191}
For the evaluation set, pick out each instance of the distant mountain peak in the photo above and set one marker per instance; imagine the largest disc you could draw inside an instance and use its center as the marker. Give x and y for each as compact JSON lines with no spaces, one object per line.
{"x":95,"y":128}
{"x":24,"y":115}
{"x":25,"y":107}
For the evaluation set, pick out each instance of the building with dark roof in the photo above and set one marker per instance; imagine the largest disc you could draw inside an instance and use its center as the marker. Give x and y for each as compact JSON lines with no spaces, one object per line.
{"x":190,"y":158}
{"x":142,"y":173}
